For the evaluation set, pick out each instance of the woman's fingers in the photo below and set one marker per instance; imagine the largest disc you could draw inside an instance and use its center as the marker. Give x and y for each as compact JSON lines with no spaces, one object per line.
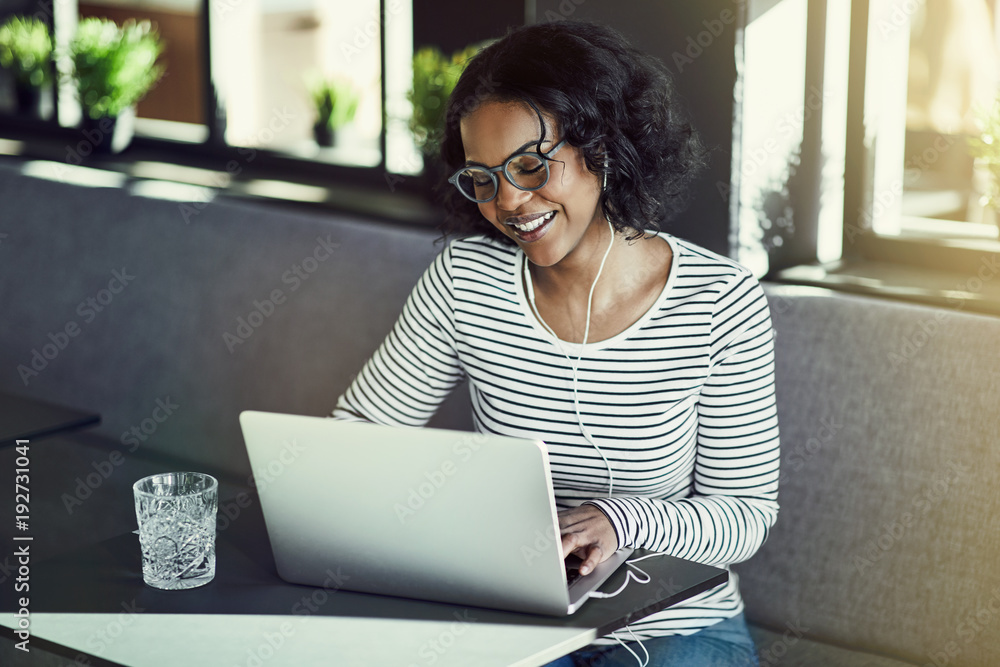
{"x":590,"y":553}
{"x":593,"y":559}
{"x":587,"y":533}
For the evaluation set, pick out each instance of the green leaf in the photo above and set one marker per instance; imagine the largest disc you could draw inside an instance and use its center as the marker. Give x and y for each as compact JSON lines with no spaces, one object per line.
{"x":114,"y":66}
{"x":26,"y":50}
{"x":434,"y":78}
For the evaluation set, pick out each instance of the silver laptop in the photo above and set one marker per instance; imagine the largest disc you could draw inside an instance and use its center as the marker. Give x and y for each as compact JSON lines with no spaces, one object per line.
{"x":455,"y":517}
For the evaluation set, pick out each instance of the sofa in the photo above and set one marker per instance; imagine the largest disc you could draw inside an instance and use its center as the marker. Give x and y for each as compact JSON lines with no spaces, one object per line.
{"x":170,"y":320}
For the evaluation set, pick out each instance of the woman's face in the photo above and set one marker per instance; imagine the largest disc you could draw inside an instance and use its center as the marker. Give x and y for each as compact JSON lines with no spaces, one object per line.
{"x":497,"y":130}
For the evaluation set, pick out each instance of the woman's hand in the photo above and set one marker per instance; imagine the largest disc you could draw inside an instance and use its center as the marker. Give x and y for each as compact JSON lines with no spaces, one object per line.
{"x":588,"y":533}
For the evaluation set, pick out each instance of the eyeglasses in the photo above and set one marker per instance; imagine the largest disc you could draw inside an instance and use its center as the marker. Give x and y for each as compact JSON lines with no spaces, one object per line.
{"x":525,"y":171}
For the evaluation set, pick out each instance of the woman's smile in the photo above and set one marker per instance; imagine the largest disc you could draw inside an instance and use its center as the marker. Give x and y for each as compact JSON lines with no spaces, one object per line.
{"x":531,"y":228}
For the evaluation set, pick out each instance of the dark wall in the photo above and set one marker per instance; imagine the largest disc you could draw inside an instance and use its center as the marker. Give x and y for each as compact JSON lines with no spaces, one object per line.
{"x":454,"y":24}
{"x":42,"y":10}
{"x":705,"y":76}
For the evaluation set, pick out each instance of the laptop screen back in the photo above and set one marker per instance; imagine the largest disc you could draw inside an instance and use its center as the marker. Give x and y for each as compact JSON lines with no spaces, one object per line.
{"x":441,"y":515}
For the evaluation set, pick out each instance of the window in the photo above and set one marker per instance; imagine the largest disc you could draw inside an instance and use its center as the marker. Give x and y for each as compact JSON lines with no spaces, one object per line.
{"x":238,"y":76}
{"x":932,"y":69}
{"x":854,"y":163}
{"x":263,"y":57}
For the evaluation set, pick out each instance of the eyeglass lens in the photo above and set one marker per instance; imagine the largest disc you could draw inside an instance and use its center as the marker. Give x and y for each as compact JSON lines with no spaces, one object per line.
{"x":527,"y":171}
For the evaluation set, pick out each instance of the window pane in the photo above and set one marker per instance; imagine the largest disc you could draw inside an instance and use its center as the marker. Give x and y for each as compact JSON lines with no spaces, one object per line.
{"x":953,"y":73}
{"x":265,"y":53}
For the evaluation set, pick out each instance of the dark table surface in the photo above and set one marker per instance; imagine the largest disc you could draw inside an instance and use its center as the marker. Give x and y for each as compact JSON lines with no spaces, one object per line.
{"x":104,"y":576}
{"x":23,"y":418}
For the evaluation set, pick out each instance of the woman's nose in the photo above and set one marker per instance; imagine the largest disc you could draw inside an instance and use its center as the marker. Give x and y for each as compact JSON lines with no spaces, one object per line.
{"x":510,"y":197}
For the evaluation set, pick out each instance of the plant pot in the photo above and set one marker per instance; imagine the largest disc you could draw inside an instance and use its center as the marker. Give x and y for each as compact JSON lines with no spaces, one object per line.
{"x":29,"y":100}
{"x":324,"y":135}
{"x":107,"y":135}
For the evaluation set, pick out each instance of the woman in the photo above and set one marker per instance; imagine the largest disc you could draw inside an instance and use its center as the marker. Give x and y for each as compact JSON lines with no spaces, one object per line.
{"x":642,"y":361}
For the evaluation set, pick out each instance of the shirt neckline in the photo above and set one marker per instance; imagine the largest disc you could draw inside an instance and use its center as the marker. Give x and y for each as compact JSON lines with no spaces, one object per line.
{"x":577,"y":348}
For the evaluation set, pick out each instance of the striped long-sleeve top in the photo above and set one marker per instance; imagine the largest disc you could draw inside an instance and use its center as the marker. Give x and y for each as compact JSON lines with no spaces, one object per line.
{"x":681,"y":403}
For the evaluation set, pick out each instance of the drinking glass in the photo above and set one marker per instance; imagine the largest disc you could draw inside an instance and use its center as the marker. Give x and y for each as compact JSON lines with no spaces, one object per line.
{"x":176,"y":514}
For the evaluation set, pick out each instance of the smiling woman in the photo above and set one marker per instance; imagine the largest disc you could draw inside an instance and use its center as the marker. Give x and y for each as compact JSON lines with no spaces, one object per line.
{"x":644,"y":362}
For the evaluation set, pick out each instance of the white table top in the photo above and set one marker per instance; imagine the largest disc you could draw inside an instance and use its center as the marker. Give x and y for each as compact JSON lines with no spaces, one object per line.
{"x":165,"y":640}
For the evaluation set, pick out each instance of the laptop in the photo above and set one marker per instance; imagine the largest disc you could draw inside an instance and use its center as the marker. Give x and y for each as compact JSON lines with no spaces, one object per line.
{"x":449,"y":516}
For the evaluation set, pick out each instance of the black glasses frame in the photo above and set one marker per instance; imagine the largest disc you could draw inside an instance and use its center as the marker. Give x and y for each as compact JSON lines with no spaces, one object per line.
{"x":492,"y":171}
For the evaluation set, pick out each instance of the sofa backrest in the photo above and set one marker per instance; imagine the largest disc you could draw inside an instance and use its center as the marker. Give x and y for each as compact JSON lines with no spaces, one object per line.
{"x":888,"y":537}
{"x":169,"y":319}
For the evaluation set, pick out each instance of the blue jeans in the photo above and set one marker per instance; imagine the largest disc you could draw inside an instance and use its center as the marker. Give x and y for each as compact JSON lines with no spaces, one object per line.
{"x":725,"y":644}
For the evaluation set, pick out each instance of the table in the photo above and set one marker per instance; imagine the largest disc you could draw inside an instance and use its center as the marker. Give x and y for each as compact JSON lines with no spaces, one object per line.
{"x":24,"y":418}
{"x":93,"y":604}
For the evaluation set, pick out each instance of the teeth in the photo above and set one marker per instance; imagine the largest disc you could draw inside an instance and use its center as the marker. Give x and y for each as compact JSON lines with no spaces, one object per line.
{"x":532,"y":225}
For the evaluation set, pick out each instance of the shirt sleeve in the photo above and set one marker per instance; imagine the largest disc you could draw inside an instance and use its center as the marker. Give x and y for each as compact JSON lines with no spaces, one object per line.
{"x":734,"y":498}
{"x":417,"y":365}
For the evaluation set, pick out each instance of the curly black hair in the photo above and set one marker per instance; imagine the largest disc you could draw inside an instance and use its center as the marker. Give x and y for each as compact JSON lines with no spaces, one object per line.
{"x":610,"y":100}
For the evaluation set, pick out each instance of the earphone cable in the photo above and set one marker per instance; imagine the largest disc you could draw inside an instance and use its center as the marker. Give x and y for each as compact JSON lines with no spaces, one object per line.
{"x":575,"y":365}
{"x":642,"y":663}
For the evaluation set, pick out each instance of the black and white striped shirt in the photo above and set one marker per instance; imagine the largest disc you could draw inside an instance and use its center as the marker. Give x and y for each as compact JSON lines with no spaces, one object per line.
{"x":681,"y":403}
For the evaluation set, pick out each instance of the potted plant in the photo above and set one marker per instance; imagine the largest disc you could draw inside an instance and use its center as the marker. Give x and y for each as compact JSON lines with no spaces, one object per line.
{"x":114,"y":68}
{"x":336,"y":102}
{"x":26,"y":52}
{"x":434,"y":77}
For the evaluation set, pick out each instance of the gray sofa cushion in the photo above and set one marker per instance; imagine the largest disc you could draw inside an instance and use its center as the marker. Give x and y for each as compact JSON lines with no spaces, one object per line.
{"x":889,"y":530}
{"x":188,"y":334}
{"x":791,"y":648}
